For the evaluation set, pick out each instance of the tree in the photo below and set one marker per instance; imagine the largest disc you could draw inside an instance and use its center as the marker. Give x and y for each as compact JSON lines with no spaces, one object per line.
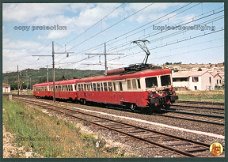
{"x":168,"y":63}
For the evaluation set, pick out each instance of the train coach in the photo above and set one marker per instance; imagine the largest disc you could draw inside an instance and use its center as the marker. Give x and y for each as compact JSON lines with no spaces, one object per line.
{"x":149,"y":89}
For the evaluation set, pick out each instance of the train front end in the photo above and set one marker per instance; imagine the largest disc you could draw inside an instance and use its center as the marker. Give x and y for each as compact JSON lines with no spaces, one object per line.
{"x":161,"y":93}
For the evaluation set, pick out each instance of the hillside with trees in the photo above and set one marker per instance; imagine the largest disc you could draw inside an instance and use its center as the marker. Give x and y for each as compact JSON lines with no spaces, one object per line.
{"x":39,"y":76}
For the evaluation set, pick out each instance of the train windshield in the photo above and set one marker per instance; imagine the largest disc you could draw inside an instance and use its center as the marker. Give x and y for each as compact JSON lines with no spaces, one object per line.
{"x":165,"y":80}
{"x":151,"y":82}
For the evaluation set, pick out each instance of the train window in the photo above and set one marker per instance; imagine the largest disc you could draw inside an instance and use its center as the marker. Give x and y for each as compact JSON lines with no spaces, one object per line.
{"x":94,"y":86}
{"x":128,"y":84}
{"x":102,"y":88}
{"x":85,"y":87}
{"x":114,"y":86}
{"x":120,"y":86}
{"x":70,"y":87}
{"x":105,"y":86}
{"x":151,"y":82}
{"x":98,"y":87}
{"x":165,"y":80}
{"x":134,"y":84}
{"x":139,"y":85}
{"x":109,"y":86}
{"x":88,"y":87}
{"x":81,"y":87}
{"x":75,"y":87}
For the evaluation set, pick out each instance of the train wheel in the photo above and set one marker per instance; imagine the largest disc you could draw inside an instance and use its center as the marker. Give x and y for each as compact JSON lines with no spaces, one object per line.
{"x":84,"y":102}
{"x":167,"y":106}
{"x":152,"y":109}
{"x":133,"y":107}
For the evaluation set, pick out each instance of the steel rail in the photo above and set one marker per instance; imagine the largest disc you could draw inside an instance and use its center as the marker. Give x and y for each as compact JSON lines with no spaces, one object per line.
{"x":196,"y":114}
{"x":198,"y":107}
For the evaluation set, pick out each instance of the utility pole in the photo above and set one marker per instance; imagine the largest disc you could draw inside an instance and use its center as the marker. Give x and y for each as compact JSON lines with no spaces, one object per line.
{"x":30,"y":81}
{"x":18,"y":81}
{"x":47,"y":73}
{"x":53,"y":70}
{"x":53,"y":64}
{"x":27,"y":80}
{"x":105,"y":57}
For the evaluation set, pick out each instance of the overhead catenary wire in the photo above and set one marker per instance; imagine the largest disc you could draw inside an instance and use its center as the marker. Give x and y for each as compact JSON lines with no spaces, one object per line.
{"x":161,"y":32}
{"x":170,"y":43}
{"x":164,"y":37}
{"x":92,"y":48}
{"x":99,"y":45}
{"x":211,"y":11}
{"x":128,"y":55}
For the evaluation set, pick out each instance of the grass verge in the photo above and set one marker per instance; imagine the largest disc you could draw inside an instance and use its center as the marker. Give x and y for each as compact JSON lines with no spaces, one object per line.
{"x":48,"y":135}
{"x":210,"y":96}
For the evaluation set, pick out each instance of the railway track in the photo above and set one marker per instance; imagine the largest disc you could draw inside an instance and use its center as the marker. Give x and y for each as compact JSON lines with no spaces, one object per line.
{"x":214,"y":114}
{"x":201,"y":107}
{"x":178,"y":109}
{"x":212,"y":121}
{"x":195,"y":114}
{"x":201,"y":102}
{"x":177,"y":145}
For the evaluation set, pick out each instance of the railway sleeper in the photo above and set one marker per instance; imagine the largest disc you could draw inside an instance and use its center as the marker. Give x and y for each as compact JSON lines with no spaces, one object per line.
{"x":179,"y":143}
{"x":121,"y":127}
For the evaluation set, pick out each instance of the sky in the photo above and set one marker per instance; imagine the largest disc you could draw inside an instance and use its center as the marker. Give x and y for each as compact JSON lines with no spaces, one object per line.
{"x":176,"y":32}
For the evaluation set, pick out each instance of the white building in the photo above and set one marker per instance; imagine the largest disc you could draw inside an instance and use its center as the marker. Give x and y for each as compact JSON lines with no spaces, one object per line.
{"x":5,"y":88}
{"x":218,"y":77}
{"x":194,"y":80}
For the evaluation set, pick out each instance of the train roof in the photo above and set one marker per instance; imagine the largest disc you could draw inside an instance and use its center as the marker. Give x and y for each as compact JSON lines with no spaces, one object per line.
{"x":139,"y":74}
{"x":62,"y":82}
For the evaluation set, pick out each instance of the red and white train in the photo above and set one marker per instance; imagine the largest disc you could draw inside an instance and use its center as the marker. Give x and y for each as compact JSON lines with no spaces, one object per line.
{"x":145,"y":89}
